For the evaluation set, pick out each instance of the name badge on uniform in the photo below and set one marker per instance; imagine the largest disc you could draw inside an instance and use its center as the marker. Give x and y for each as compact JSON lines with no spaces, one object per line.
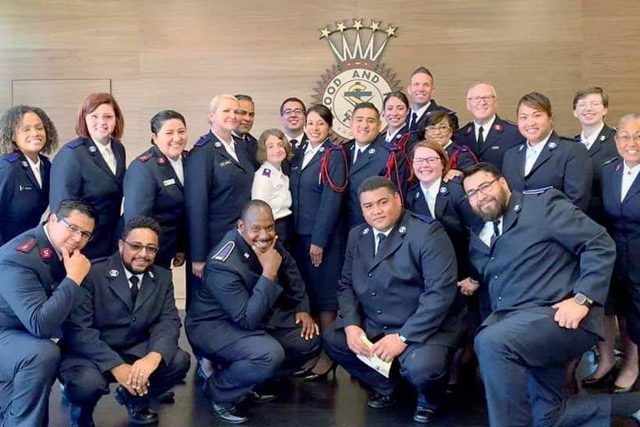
{"x":168,"y":182}
{"x":495,"y":147}
{"x":26,"y":187}
{"x":225,"y":163}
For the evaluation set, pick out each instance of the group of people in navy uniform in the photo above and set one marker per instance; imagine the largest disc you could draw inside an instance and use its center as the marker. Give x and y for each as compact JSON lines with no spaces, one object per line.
{"x":423,"y":245}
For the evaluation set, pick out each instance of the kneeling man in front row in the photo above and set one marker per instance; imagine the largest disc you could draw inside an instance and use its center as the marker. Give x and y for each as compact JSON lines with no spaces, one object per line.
{"x":124,"y":329}
{"x":251,"y":316}
{"x":398,"y":291}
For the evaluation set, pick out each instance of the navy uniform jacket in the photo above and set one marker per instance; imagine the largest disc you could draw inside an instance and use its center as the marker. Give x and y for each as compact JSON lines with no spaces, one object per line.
{"x":104,"y":324}
{"x":602,"y":151}
{"x":624,"y":217}
{"x":216,"y":189}
{"x":422,"y":121}
{"x":460,"y":156}
{"x":373,"y":162}
{"x":236,"y":300}
{"x":403,"y":139}
{"x":35,"y":295}
{"x":563,"y":164}
{"x":250,"y":145}
{"x":408,"y":287}
{"x":548,"y":251}
{"x":152,"y":188}
{"x":454,"y":213}
{"x":316,"y":206}
{"x":79,"y":172}
{"x":497,"y":140}
{"x":22,"y":201}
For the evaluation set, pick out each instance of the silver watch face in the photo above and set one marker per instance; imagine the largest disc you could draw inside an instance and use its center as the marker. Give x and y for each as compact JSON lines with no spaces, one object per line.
{"x":580,"y":299}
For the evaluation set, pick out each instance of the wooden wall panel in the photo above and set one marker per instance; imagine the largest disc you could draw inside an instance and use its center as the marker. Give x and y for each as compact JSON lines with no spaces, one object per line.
{"x":167,"y":54}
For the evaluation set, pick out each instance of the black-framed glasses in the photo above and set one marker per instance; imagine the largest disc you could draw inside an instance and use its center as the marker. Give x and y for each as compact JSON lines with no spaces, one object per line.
{"x":137,"y":247}
{"x":625,"y":139}
{"x":77,"y":230}
{"x":429,"y":160}
{"x":482,"y":188}
{"x":476,"y":99}
{"x":291,"y":111}
{"x":440,"y":129}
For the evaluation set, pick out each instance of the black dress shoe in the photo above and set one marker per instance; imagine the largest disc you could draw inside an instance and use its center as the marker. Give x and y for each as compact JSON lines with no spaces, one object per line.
{"x":256,"y":397}
{"x":605,"y":381}
{"x":423,"y":415}
{"x":81,"y":416}
{"x":138,"y":414}
{"x":378,"y":401}
{"x":313,"y":377}
{"x":228,"y":414}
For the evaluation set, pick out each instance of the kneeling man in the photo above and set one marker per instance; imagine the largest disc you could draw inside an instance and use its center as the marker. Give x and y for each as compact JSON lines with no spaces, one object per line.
{"x":251,"y":316}
{"x":125,"y":329}
{"x":398,"y":290}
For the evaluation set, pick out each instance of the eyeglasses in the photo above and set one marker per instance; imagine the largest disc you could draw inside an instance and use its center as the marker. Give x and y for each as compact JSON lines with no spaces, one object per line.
{"x":137,"y":247}
{"x":77,"y":230}
{"x":440,"y":129}
{"x":583,"y":105}
{"x":476,"y":99}
{"x":292,"y":111}
{"x":482,"y":188}
{"x":625,"y":139}
{"x":429,"y":160}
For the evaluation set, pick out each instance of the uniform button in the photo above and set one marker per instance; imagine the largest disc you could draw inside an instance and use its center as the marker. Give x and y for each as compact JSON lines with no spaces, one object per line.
{"x":369,"y":274}
{"x":133,"y":319}
{"x":373,"y":294}
{"x":499,"y":298}
{"x":379,"y":311}
{"x":495,"y":277}
{"x":385,"y":327}
{"x":493,"y":257}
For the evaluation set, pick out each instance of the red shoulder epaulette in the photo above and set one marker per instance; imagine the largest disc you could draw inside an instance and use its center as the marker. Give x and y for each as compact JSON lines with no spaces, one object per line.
{"x":27,"y":246}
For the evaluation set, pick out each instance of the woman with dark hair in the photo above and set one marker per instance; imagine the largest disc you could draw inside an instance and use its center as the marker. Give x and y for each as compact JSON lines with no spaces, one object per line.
{"x":395,"y":109}
{"x":91,"y":168}
{"x":271,"y":184}
{"x":154,"y":186}
{"x":318,"y":182}
{"x":439,"y":129}
{"x":546,"y":159}
{"x":26,"y":133}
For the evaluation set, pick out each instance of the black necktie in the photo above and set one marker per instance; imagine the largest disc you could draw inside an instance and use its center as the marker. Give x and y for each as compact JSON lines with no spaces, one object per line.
{"x":414,"y":121}
{"x":381,"y":238}
{"x":480,"y":136}
{"x":134,"y":288}
{"x":293,"y":142}
{"x":496,"y":230}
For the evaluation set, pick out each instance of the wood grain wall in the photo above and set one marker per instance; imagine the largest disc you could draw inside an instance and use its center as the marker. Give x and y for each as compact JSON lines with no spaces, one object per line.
{"x":157,"y":54}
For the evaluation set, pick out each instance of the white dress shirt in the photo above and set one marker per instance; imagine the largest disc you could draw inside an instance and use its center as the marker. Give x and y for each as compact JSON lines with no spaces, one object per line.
{"x":533,"y":152}
{"x":487,"y":231}
{"x":430,"y":195}
{"x":107,"y":154}
{"x":178,"y":167}
{"x":588,"y":142}
{"x":629,"y":175}
{"x":35,"y":168}
{"x":272,"y":186}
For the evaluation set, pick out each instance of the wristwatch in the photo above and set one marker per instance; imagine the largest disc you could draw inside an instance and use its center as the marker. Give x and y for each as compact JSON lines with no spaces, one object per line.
{"x":582,"y":299}
{"x":402,"y":338}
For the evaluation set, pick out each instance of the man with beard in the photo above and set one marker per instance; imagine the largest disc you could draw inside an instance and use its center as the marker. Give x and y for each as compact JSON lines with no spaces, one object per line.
{"x":124,"y":329}
{"x":251,"y":316}
{"x":246,"y":115}
{"x":547,"y":267}
{"x":42,"y":270}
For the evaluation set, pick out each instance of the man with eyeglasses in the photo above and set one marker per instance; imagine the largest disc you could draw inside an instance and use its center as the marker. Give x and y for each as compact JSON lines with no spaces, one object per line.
{"x":488,"y":135}
{"x":292,"y":117}
{"x":124,"y":329}
{"x":42,"y":270}
{"x":547,"y":267}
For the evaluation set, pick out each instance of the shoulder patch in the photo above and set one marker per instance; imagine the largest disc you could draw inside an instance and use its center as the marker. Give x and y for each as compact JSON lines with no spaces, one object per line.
{"x":497,"y":127}
{"x":11,"y":157}
{"x":469,"y":129}
{"x":161,"y":160}
{"x":224,"y":251}
{"x":266,"y":172}
{"x":202,"y":141}
{"x":75,"y":144}
{"x":537,"y":191}
{"x":146,"y":156}
{"x":27,"y":246}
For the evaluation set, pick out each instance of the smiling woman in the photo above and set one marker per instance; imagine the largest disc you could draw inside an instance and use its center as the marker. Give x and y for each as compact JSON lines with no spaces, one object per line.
{"x":26,"y":133}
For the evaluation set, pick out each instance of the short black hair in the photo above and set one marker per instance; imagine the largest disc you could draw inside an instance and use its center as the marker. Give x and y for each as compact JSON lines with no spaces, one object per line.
{"x":368,"y":106}
{"x":242,"y":97}
{"x":256,"y":203}
{"x":481,"y":167}
{"x":67,"y":206}
{"x":141,"y":221}
{"x":293,"y":99}
{"x":375,"y":182}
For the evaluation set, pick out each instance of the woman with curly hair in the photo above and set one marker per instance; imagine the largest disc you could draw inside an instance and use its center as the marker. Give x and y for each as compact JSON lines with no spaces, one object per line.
{"x":26,"y":134}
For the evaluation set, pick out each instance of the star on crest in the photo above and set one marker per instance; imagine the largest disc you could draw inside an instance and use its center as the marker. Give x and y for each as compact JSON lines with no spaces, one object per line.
{"x":357,"y":24}
{"x":340,"y":26}
{"x":391,"y":31}
{"x":324,"y":32}
{"x":375,"y":26}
